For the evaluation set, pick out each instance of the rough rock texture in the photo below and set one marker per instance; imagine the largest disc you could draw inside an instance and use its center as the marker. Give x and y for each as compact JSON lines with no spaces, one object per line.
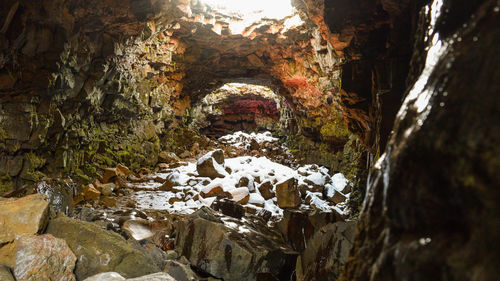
{"x":5,"y":273}
{"x":59,"y":193}
{"x":432,"y":206}
{"x":27,"y":215}
{"x":99,"y":250}
{"x":44,"y":257}
{"x":288,"y":194}
{"x":210,"y":165}
{"x":232,"y":249}
{"x":326,"y":252}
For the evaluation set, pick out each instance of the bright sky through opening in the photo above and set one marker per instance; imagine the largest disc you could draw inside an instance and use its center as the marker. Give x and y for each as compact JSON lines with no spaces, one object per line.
{"x":252,"y":11}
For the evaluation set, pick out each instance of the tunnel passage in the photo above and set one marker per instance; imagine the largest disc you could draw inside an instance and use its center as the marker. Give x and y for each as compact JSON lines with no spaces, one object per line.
{"x":241,"y":107}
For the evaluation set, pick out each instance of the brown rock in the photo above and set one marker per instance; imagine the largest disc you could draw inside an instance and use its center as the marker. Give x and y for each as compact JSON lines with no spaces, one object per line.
{"x":212,"y":191}
{"x":346,"y":189}
{"x":90,"y":193}
{"x":109,"y":202}
{"x":185,"y":154}
{"x":228,"y":208}
{"x":109,"y":174}
{"x":131,"y":204}
{"x":8,"y":254}
{"x":287,"y":193}
{"x":78,"y":199}
{"x":266,"y":190}
{"x":122,"y":171}
{"x":5,"y":273}
{"x":241,"y":195}
{"x":243,"y":182}
{"x":44,"y":258}
{"x":27,"y":215}
{"x":206,"y":167}
{"x":337,"y":197}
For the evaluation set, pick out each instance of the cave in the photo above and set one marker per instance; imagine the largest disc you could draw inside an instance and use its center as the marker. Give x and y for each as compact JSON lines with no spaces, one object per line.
{"x":249,"y":140}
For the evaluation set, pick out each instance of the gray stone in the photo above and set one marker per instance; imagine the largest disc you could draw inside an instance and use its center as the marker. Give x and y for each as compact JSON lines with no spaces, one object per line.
{"x":99,"y":250}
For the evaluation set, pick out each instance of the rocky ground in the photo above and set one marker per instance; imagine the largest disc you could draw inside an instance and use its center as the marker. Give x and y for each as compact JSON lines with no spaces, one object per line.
{"x":240,"y":209}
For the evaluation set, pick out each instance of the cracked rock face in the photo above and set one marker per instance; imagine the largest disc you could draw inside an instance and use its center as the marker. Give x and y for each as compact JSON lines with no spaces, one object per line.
{"x":233,"y":249}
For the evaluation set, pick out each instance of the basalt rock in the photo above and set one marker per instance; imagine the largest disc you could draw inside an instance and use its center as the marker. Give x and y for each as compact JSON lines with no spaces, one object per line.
{"x":232,"y":249}
{"x":99,"y":250}
{"x":326,"y":252}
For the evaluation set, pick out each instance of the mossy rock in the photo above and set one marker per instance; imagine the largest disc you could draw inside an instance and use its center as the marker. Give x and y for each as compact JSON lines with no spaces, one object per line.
{"x":99,"y":250}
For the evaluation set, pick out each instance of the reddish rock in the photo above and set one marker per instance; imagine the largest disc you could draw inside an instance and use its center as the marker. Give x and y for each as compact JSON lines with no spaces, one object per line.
{"x":109,"y":174}
{"x":266,"y":190}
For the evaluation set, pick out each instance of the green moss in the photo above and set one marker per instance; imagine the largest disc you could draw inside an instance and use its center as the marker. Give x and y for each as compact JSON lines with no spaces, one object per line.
{"x":334,"y":129}
{"x":34,"y":160}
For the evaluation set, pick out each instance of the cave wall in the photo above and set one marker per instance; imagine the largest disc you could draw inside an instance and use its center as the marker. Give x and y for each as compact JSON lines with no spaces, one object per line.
{"x":87,"y":84}
{"x":431,"y":209}
{"x":84,"y":85}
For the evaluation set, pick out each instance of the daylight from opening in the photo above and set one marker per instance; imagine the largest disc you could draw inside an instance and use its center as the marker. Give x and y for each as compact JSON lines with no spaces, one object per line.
{"x":250,"y":12}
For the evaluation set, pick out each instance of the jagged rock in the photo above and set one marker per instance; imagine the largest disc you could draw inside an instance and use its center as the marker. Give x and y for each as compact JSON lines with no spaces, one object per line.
{"x":43,"y":257}
{"x":211,"y":191}
{"x":287,"y":193}
{"x":337,"y":197}
{"x":27,"y":215}
{"x":326,"y":252}
{"x":6,"y":273}
{"x":266,"y":190}
{"x":229,"y":208}
{"x":90,"y":192}
{"x":232,"y":249}
{"x":122,"y":171}
{"x":99,"y":250}
{"x":168,"y":157}
{"x":109,"y":174}
{"x":297,"y":226}
{"x":240,"y":195}
{"x":210,"y":165}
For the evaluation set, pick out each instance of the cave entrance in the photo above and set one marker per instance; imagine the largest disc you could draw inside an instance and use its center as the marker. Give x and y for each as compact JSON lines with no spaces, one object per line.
{"x":241,"y":107}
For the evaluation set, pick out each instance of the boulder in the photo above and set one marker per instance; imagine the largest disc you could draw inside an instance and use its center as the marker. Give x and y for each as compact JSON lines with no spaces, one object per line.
{"x":99,"y":250}
{"x":107,"y":189}
{"x":90,"y":192}
{"x":240,"y":195}
{"x":122,"y":171}
{"x":5,"y":273}
{"x":337,"y":197}
{"x":109,"y":174}
{"x":229,"y":208}
{"x":326,"y":252}
{"x":210,"y":165}
{"x":266,"y":190}
{"x":138,"y":229}
{"x":211,"y":191}
{"x":27,"y":215}
{"x":233,"y":249}
{"x":43,"y":257}
{"x":288,"y":194}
